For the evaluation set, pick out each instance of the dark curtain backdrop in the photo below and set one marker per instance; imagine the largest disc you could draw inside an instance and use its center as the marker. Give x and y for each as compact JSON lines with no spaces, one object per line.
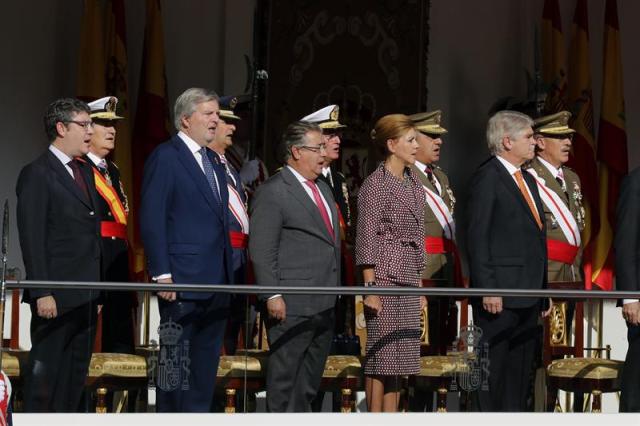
{"x":369,"y":57}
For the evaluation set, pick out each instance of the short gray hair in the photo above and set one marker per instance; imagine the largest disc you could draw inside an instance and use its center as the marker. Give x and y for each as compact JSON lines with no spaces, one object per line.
{"x":505,"y":123}
{"x":296,"y":135}
{"x":186,"y":103}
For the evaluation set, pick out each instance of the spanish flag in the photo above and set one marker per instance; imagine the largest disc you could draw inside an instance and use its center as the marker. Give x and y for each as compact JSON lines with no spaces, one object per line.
{"x":612,"y":148}
{"x":90,"y":84}
{"x":583,"y":158}
{"x":152,"y":118}
{"x":116,"y":82}
{"x":554,"y":72}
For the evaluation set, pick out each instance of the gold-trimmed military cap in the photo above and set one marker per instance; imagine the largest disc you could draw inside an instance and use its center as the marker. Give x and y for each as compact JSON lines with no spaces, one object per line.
{"x":105,"y":108}
{"x":326,"y":118}
{"x":429,"y":122}
{"x":553,"y":125}
{"x":227,"y":104}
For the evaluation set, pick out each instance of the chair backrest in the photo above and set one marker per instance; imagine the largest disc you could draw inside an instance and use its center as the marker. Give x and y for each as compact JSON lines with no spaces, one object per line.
{"x":566,"y":316}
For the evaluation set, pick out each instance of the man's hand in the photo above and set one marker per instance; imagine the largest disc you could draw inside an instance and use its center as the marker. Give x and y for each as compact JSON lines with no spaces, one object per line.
{"x":46,"y":307}
{"x":169,"y":296}
{"x":423,"y":302}
{"x":548,"y":311}
{"x":373,"y":304}
{"x":631,"y":312}
{"x":277,"y":309}
{"x":493,"y":305}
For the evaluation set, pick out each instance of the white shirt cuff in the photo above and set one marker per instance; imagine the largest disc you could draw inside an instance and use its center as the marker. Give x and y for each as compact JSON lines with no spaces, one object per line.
{"x":274,"y":296}
{"x":161,"y":277}
{"x":625,"y":301}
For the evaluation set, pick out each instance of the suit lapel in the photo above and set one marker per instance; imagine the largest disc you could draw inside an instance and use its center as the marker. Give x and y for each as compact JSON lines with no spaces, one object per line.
{"x":193,"y":169}
{"x":509,"y":182}
{"x":299,"y":193}
{"x":66,"y":180}
{"x":335,"y":223}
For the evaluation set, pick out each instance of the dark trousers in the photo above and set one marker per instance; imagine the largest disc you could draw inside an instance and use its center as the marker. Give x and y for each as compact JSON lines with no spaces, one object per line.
{"x":630,"y":395}
{"x":59,"y":360}
{"x":299,"y":347}
{"x":191,"y":336}
{"x":511,"y":337}
{"x":118,"y":324}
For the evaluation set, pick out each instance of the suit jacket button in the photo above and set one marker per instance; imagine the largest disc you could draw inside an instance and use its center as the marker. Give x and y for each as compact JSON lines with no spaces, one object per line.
{"x":109,"y":213}
{"x":113,"y":238}
{"x":91,"y":213}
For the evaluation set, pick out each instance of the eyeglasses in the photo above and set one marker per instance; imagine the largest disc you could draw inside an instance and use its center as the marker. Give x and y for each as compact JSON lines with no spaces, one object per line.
{"x":86,"y":124}
{"x":316,"y":149}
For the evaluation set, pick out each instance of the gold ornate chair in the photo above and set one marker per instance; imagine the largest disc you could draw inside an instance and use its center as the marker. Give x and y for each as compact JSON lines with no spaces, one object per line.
{"x":566,"y":367}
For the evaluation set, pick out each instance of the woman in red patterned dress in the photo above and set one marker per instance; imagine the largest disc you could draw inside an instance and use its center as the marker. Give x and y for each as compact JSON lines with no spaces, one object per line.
{"x":389,"y":249}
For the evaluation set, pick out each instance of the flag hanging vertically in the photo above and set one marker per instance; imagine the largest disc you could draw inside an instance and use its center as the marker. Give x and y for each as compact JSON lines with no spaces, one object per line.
{"x":583,"y":156}
{"x":116,"y":85}
{"x":152,"y":116}
{"x":90,"y":84}
{"x":554,"y":71}
{"x":612,"y":148}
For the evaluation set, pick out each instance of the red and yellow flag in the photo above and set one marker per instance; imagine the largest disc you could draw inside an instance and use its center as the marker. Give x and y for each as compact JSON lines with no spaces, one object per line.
{"x":90,"y":84}
{"x":554,"y":72}
{"x":116,"y":85}
{"x":612,"y":148}
{"x":152,"y":118}
{"x":583,"y":158}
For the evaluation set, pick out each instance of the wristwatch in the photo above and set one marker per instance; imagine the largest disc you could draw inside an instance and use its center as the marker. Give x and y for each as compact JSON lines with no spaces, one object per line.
{"x":370,"y":284}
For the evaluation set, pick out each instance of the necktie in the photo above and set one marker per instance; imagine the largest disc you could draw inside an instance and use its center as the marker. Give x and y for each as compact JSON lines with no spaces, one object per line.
{"x":527,"y":197}
{"x":323,"y":211}
{"x":102,"y":166}
{"x":77,"y":176}
{"x":225,"y":163}
{"x":210,"y":175}
{"x":560,"y":180}
{"x":429,"y":171}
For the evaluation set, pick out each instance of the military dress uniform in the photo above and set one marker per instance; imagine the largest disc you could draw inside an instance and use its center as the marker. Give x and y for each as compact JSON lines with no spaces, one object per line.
{"x":561,"y":196}
{"x":564,"y":263}
{"x":441,"y":261}
{"x":118,"y":312}
{"x":238,"y":233}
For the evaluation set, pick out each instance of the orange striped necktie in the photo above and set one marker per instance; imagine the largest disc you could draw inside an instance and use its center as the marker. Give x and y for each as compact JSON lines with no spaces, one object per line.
{"x":527,"y":197}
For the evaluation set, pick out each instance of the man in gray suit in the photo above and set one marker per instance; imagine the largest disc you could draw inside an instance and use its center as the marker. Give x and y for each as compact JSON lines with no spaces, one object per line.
{"x":295,"y":241}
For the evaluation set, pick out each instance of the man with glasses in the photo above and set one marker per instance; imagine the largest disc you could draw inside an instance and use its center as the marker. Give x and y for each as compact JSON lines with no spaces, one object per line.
{"x":559,"y":189}
{"x":60,"y":240}
{"x":295,"y":241}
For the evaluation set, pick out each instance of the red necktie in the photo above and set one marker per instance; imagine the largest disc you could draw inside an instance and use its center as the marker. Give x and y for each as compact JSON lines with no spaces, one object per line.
{"x":321,"y":207}
{"x":77,"y":176}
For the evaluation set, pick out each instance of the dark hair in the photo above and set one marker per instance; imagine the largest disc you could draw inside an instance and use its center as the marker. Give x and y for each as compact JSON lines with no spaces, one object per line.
{"x":296,"y":135}
{"x":62,"y":111}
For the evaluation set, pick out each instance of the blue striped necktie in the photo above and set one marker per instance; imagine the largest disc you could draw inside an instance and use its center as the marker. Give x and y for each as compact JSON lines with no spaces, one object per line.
{"x":210,"y":175}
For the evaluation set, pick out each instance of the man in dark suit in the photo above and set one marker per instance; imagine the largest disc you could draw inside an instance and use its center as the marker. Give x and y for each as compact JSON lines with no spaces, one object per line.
{"x":185,"y":229}
{"x":60,"y":241}
{"x":295,"y":242}
{"x":627,"y":246}
{"x":118,"y":306}
{"x":507,"y":250}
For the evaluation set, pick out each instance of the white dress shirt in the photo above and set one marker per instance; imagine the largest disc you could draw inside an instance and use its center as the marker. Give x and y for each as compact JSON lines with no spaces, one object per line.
{"x":64,"y":158}
{"x":422,"y":168}
{"x":512,"y":170}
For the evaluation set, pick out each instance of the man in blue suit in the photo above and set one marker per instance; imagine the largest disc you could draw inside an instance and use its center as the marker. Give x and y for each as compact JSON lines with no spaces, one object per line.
{"x":185,"y":229}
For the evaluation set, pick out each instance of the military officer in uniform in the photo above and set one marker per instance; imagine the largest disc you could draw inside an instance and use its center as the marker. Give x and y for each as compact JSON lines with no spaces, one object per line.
{"x":559,"y":188}
{"x":441,"y":262}
{"x":238,"y":216}
{"x":118,"y":311}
